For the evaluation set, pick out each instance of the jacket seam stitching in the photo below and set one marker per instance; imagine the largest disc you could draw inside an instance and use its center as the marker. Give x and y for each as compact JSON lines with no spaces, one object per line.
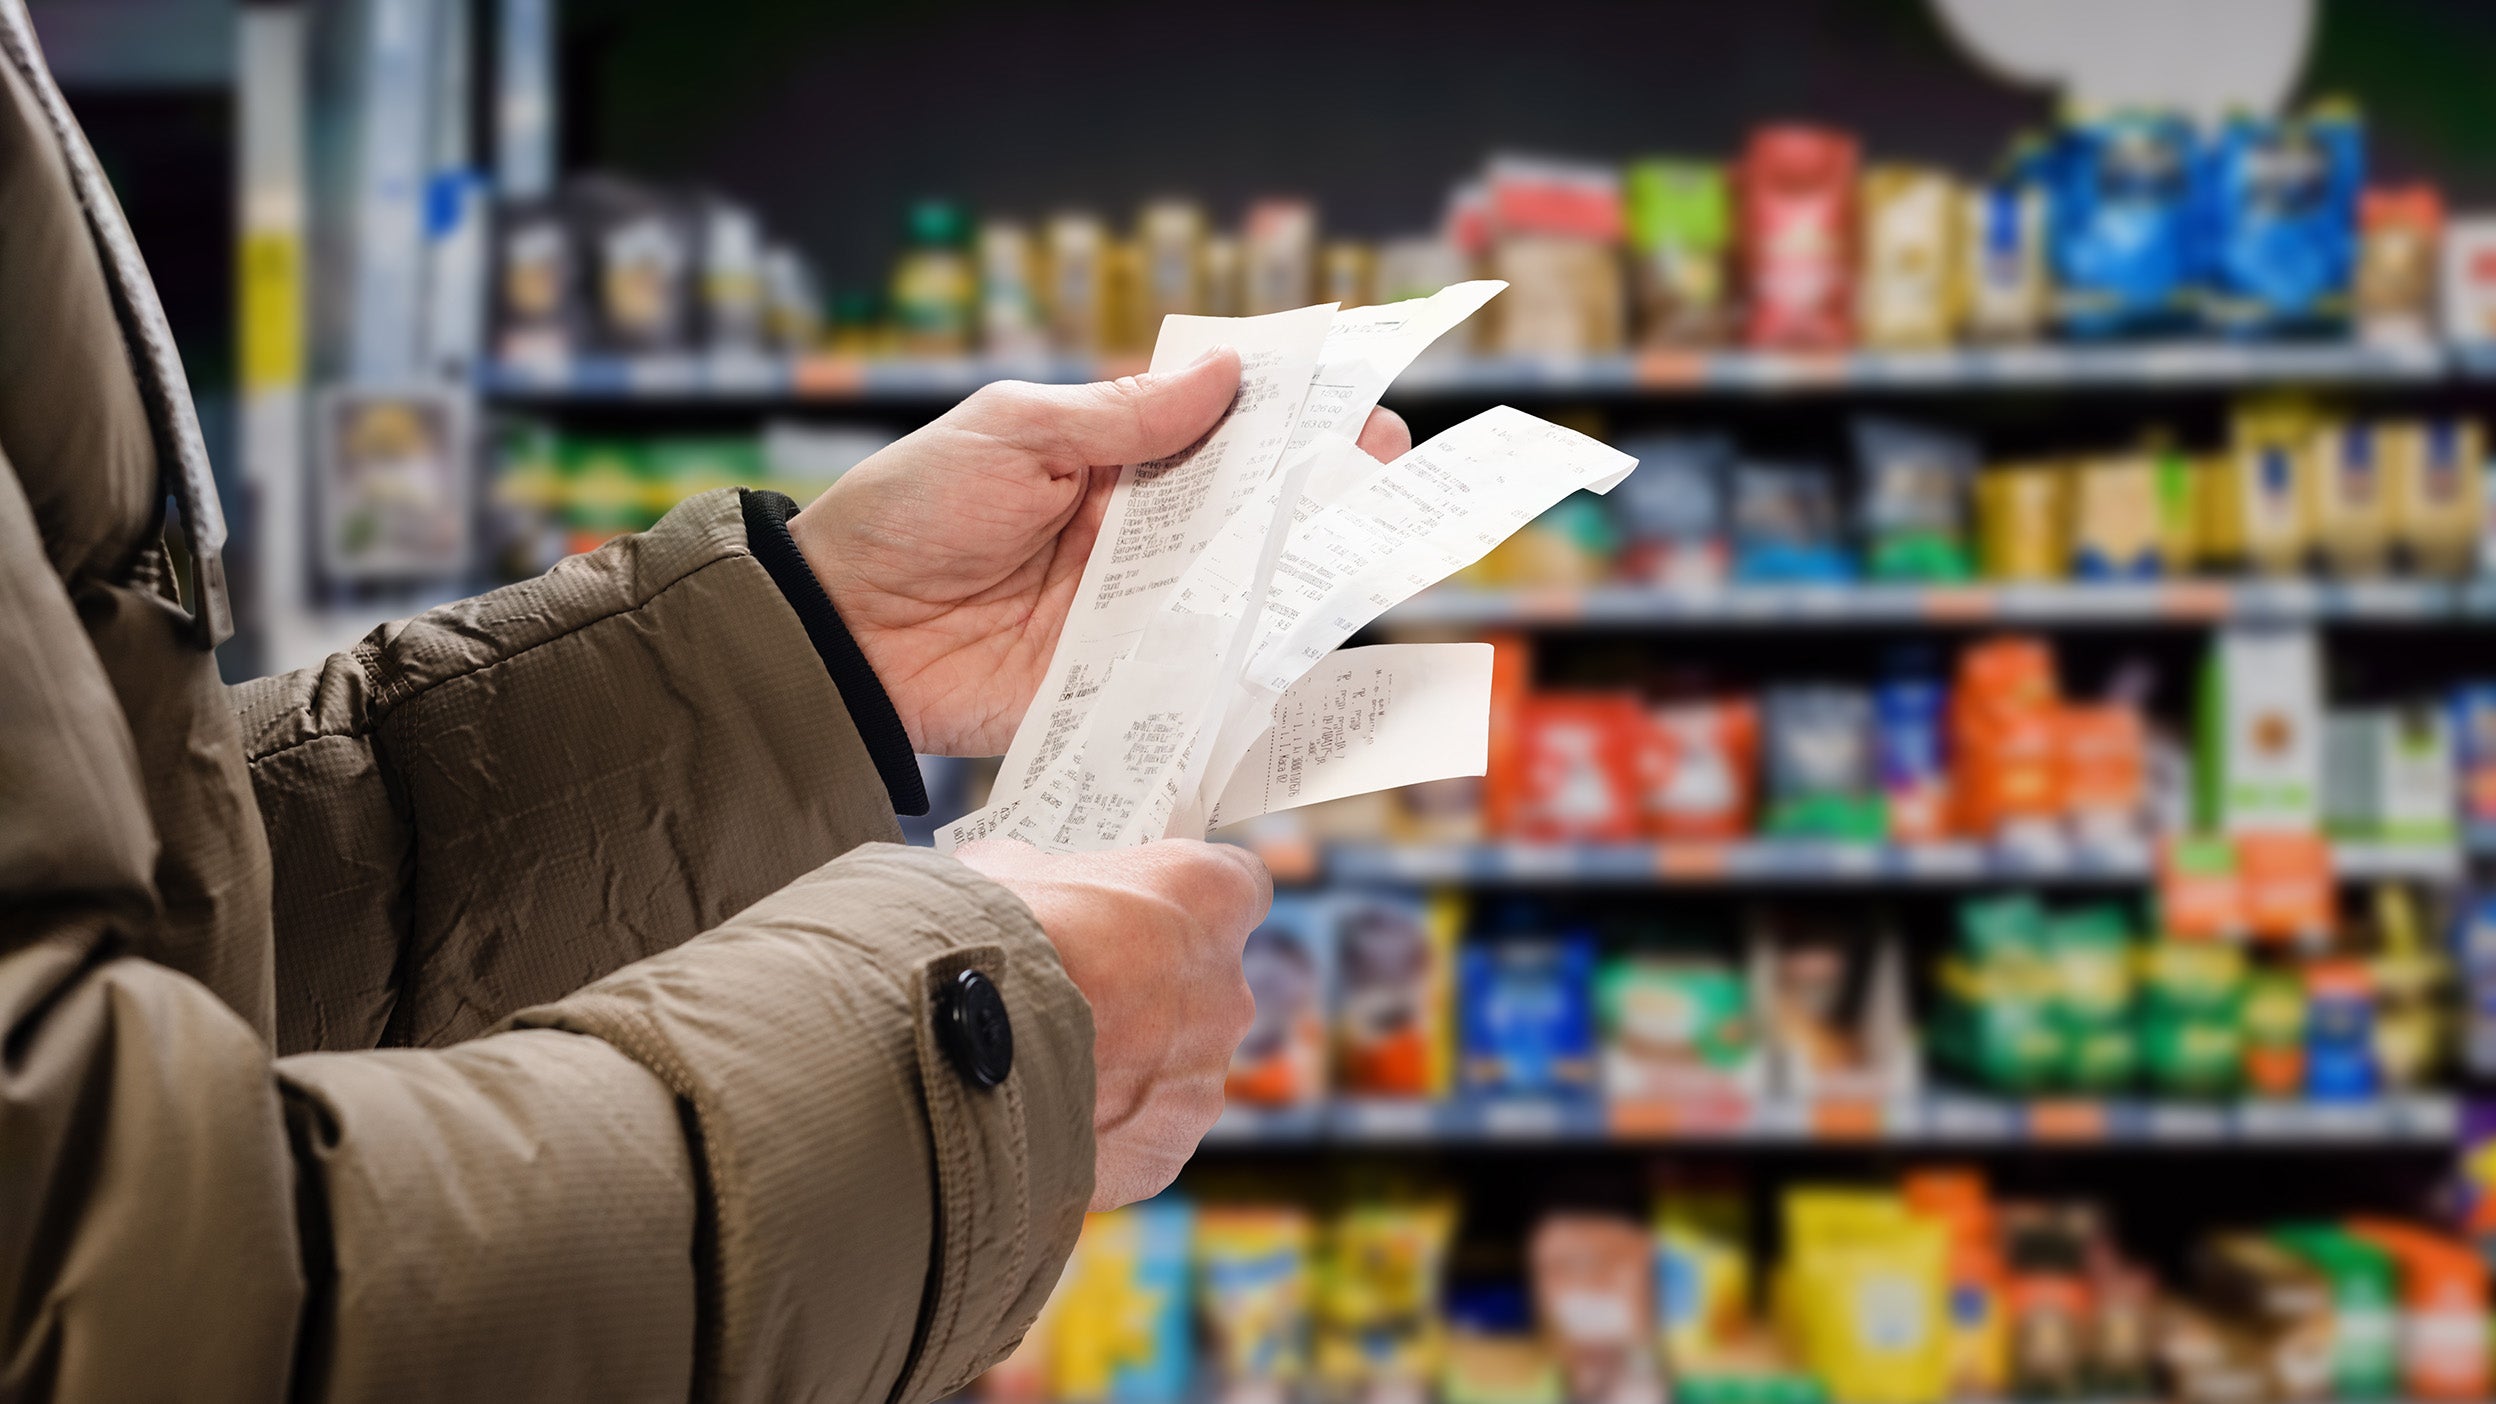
{"x":373,"y":720}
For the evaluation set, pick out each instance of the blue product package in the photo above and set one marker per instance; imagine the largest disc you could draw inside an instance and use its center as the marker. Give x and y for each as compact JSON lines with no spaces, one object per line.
{"x":1785,"y":525}
{"x":2474,"y":749}
{"x":1165,"y":1234}
{"x":1528,"y":1015}
{"x":2276,"y":221}
{"x":1908,"y":712}
{"x":2120,"y":225}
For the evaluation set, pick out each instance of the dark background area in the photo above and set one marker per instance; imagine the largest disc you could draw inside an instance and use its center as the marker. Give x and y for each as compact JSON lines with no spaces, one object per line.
{"x":831,"y":118}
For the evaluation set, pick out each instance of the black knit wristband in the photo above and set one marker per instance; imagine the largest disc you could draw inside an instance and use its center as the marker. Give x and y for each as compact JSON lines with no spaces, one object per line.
{"x":870,"y":709}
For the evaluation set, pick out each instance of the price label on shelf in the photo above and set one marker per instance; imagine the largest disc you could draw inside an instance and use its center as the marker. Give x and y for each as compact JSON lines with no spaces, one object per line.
{"x":1845,"y":1119}
{"x":1669,"y":370}
{"x":829,"y":376}
{"x":1523,"y":1119}
{"x":2067,"y":1120}
{"x":2184,"y":1123}
{"x":1692,"y":862}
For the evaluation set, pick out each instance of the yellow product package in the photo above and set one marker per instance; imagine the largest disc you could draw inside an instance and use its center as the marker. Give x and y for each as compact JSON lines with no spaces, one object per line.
{"x":1906,"y":298}
{"x":2261,"y":508}
{"x":1255,"y":1276}
{"x":1378,"y":1331}
{"x":2022,"y":532}
{"x":1703,"y":1276}
{"x":2352,"y":507}
{"x":1866,"y":1295}
{"x":1122,"y":1332}
{"x":2115,"y":518}
{"x":2437,"y":469}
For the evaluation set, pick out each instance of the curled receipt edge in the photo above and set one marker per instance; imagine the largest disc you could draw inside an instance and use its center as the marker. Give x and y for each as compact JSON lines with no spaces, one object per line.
{"x":1197,"y":680}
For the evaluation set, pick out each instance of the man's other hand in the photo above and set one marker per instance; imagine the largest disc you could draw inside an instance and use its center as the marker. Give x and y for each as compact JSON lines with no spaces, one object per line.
{"x":1152,"y":936}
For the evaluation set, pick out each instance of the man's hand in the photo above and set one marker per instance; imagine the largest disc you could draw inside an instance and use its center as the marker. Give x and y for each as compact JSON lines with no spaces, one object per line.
{"x":1152,"y":936}
{"x":954,"y":554}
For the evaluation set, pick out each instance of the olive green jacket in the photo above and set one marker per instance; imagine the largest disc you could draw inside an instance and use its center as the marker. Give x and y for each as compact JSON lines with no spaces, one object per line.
{"x":529,"y":1004}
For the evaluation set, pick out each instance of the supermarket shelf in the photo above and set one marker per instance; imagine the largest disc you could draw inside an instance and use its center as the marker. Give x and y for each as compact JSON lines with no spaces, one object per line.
{"x":2425,"y":1118}
{"x":1808,"y":861}
{"x":696,"y":377}
{"x":1867,"y":603}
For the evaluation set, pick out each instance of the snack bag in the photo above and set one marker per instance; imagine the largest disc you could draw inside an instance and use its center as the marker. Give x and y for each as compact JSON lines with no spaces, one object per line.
{"x":1697,"y":765}
{"x":1979,"y":1335}
{"x":1393,"y":1027}
{"x":2278,"y":204}
{"x":2103,"y":765}
{"x":1797,"y":219}
{"x":2001,"y":251}
{"x":2121,"y":248}
{"x":1866,"y":1286}
{"x":1123,"y":1333}
{"x":1379,"y":1338}
{"x":1905,"y":298}
{"x":1915,"y":482}
{"x":1289,"y":963}
{"x":1254,"y":1276}
{"x":2399,"y":230}
{"x":1680,"y":233}
{"x":1528,"y":1015}
{"x":1785,"y":525}
{"x":1594,"y":1300}
{"x":1579,"y":768}
{"x":1673,"y":510}
{"x":1821,"y":781}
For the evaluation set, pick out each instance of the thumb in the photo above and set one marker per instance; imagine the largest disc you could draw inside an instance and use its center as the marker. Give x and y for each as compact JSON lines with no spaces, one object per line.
{"x":1138,"y":418}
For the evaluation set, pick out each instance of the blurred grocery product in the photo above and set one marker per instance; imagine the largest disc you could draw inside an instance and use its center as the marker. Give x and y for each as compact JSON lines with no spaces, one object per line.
{"x":2400,"y":234}
{"x":1907,"y":297}
{"x":1680,"y":225}
{"x":1796,"y":207}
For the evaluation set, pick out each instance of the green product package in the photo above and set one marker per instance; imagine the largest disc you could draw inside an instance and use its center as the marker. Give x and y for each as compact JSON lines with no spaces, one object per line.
{"x":2365,"y":1308}
{"x":1684,"y":204}
{"x":2091,"y":949}
{"x":2100,"y":1057}
{"x":1994,"y":927}
{"x":2193,"y":978}
{"x":1657,"y":1001}
{"x":2191,"y":1055}
{"x":2273,"y":1012}
{"x":2006,"y":1044}
{"x":677,"y":468}
{"x":602,"y":485}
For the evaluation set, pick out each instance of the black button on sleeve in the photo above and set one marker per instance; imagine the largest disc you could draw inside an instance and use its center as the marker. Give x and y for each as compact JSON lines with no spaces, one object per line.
{"x":974,"y":1028}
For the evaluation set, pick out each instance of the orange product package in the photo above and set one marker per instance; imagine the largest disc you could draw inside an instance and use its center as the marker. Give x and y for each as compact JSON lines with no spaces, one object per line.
{"x":1512,"y":690}
{"x":2102,"y":757}
{"x":1577,"y":768}
{"x":2286,"y":883}
{"x":1698,"y":769}
{"x":2005,"y":736}
{"x":2199,"y":896}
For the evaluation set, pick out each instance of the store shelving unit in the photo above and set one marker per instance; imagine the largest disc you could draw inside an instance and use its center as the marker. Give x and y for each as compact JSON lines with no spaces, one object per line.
{"x":1812,"y":862}
{"x":836,"y":379}
{"x":1941,"y":1120}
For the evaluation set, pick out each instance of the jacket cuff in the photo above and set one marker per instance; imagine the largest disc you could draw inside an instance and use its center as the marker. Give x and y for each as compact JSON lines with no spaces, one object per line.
{"x":844,"y":1156}
{"x":870,"y":708}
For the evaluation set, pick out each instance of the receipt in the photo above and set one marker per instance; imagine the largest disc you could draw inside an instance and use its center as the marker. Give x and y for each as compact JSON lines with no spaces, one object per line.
{"x":1367,"y":719}
{"x":1162,"y":515}
{"x":1193,"y":678}
{"x":1396,"y":530}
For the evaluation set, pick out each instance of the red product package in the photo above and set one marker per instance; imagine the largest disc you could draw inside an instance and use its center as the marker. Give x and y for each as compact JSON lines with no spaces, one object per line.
{"x":1797,"y":219}
{"x":1578,"y":767}
{"x":1698,"y":767}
